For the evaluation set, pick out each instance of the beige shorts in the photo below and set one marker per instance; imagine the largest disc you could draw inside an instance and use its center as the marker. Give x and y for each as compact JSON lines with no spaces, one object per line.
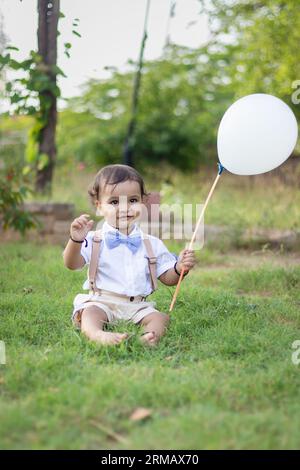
{"x":116,"y":307}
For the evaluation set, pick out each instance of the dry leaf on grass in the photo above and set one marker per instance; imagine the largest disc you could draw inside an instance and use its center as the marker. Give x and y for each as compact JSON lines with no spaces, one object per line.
{"x":140,"y":413}
{"x":27,"y":290}
{"x":168,"y":358}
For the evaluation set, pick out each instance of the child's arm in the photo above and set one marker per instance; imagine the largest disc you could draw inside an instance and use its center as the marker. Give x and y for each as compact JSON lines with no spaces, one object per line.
{"x":186,"y":260}
{"x":78,"y":231}
{"x":72,"y":256}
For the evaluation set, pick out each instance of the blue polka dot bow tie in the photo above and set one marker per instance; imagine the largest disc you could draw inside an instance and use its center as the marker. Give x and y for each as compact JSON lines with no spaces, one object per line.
{"x":113,"y":239}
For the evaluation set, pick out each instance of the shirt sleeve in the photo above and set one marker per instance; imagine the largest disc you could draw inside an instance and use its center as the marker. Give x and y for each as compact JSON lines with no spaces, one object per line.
{"x":86,"y":247}
{"x":165,"y":259}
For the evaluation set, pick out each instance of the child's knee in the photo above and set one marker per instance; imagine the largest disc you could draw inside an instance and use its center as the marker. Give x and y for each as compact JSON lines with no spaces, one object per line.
{"x":158,"y":318}
{"x":92,"y":318}
{"x":164,"y":319}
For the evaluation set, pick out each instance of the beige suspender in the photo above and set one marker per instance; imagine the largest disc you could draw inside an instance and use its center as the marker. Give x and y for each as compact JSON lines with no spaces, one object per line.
{"x":92,"y":272}
{"x":151,"y":261}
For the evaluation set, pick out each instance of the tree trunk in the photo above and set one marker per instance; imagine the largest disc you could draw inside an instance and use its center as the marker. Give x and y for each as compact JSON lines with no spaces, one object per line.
{"x":128,"y":146}
{"x":48,"y":11}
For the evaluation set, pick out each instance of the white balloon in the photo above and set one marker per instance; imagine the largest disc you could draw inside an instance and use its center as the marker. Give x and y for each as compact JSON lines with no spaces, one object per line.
{"x":256,"y":134}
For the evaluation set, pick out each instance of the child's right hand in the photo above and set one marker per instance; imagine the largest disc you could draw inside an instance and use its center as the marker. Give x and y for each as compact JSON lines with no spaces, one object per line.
{"x":80,"y":227}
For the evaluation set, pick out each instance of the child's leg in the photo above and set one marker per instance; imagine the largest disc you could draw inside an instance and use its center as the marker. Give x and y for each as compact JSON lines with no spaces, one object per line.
{"x":154,"y":326}
{"x":93,"y":320}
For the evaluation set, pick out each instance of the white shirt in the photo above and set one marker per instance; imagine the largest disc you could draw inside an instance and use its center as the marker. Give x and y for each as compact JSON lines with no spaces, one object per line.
{"x":120,"y":270}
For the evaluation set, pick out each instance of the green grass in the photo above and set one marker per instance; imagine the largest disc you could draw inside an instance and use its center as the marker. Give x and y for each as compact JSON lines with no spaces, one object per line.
{"x":222,"y":377}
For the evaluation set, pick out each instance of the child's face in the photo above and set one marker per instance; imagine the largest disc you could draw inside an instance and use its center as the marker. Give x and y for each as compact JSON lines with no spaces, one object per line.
{"x":120,"y":206}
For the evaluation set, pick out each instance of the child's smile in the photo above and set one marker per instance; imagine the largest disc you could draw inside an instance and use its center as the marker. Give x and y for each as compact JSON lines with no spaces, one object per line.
{"x":120,"y":204}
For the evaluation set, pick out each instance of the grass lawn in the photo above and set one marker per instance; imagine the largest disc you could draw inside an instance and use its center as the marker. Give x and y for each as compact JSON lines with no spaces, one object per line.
{"x":221,"y":378}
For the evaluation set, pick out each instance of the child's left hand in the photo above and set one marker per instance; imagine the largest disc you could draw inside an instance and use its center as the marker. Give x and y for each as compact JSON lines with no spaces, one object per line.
{"x":186,"y":260}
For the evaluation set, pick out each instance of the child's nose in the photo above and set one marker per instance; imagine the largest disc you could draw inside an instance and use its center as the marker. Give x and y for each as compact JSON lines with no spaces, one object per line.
{"x":123,"y":209}
{"x":122,"y":212}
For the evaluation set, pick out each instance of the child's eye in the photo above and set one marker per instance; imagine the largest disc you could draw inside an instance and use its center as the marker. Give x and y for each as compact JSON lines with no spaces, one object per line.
{"x":115,"y":201}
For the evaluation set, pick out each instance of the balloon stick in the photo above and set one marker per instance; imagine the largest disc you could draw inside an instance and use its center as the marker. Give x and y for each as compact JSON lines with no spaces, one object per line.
{"x":221,"y":168}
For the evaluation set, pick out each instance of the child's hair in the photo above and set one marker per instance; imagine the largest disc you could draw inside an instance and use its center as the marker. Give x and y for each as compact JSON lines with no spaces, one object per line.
{"x":114,"y":174}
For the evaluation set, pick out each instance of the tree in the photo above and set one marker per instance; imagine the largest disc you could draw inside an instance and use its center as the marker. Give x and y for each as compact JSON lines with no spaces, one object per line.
{"x":47,"y":49}
{"x":3,"y":42}
{"x":262,"y":38}
{"x":182,"y":100}
{"x":13,"y":188}
{"x":35,"y":93}
{"x":128,"y":147}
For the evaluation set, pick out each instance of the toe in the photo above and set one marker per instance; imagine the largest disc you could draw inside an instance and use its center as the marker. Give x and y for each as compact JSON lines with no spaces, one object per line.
{"x":121,"y":336}
{"x":149,"y":338}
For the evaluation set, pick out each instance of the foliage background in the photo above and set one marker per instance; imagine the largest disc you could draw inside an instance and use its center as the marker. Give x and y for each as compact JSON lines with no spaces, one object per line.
{"x":254,"y":48}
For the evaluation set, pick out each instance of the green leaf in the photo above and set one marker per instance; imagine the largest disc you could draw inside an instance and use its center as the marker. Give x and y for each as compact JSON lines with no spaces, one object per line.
{"x":4,"y":60}
{"x":26,"y":170}
{"x":58,"y":71}
{"x":43,"y":161}
{"x":76,"y":33}
{"x":8,"y":86}
{"x":15,"y":65}
{"x":16,"y":98}
{"x":12,"y":48}
{"x":31,"y":151}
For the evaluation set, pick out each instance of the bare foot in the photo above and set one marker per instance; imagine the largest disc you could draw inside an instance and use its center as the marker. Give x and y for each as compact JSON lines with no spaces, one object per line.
{"x":106,"y":338}
{"x":149,"y":338}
